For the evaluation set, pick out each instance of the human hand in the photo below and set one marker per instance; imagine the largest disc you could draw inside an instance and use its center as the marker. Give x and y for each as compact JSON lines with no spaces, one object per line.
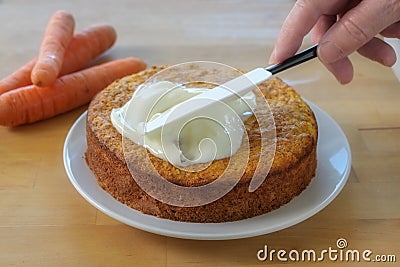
{"x":341,"y":27}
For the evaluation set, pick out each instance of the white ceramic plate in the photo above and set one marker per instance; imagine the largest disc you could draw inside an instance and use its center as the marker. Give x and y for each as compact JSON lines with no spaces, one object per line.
{"x":334,"y":161}
{"x":395,"y":43}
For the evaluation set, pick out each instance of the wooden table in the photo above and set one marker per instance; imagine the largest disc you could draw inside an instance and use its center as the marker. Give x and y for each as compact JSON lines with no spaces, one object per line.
{"x":45,"y":222}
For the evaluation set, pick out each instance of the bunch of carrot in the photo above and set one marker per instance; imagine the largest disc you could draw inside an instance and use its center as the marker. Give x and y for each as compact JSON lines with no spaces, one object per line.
{"x":56,"y":80}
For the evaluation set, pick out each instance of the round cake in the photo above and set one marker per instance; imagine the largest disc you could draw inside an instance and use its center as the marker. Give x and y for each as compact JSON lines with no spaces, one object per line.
{"x":293,"y":166}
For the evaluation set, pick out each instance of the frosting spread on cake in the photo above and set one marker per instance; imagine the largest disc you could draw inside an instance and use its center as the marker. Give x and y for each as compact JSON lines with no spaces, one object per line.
{"x":209,"y":135}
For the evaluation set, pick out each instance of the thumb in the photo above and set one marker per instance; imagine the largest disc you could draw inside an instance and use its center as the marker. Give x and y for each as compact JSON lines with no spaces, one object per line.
{"x":356,"y":27}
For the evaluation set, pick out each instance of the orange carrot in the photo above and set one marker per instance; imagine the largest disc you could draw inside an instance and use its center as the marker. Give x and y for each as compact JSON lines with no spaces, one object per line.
{"x":57,"y":36}
{"x":19,"y":78}
{"x":84,"y":47}
{"x":32,"y":103}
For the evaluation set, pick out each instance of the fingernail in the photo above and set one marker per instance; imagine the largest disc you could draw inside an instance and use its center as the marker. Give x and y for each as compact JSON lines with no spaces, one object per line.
{"x":328,"y":52}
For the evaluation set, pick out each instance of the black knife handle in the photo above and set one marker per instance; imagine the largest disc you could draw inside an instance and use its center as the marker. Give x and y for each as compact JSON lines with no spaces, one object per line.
{"x":297,"y":59}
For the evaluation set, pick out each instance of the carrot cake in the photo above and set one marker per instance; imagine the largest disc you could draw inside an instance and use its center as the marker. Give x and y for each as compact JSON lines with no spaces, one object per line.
{"x":293,"y":162}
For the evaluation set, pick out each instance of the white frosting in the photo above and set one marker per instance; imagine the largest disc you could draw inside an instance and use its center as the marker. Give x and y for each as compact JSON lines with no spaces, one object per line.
{"x":216,"y":134}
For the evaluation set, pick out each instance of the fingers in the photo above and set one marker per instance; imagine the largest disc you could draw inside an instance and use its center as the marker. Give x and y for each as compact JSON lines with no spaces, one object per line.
{"x":360,"y":21}
{"x":379,"y":51}
{"x":393,"y":31}
{"x":375,"y":49}
{"x":355,"y":29}
{"x":342,"y":70}
{"x":321,"y":27}
{"x":299,"y":22}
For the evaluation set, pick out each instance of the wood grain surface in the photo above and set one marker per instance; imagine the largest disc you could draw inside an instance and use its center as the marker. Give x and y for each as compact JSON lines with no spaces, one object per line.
{"x":45,"y":222}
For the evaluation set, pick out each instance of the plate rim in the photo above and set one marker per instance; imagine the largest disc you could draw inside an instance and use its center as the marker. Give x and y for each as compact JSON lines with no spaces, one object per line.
{"x":202,"y":236}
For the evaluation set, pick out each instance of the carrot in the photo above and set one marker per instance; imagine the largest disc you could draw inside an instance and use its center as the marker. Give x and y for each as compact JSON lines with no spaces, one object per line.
{"x":19,"y":78}
{"x":32,"y":103}
{"x":57,"y":36}
{"x":84,"y":47}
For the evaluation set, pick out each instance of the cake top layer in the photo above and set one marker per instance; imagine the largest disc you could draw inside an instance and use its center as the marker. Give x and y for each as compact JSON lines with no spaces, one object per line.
{"x":296,"y":131}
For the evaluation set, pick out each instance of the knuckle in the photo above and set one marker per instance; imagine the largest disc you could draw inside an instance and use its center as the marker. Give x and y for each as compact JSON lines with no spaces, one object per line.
{"x":354,"y":31}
